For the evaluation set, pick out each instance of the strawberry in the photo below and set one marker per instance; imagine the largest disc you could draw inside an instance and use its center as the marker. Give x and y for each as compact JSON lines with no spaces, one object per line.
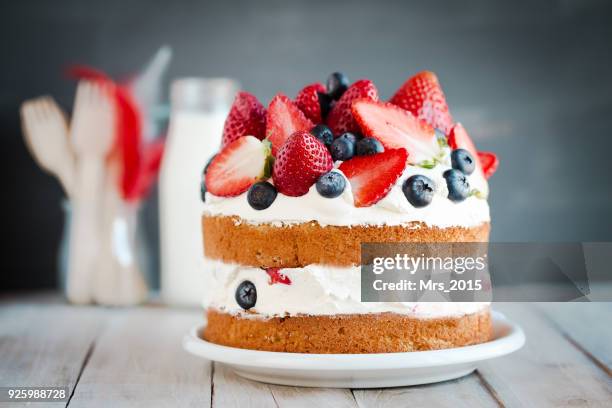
{"x":394,"y":128}
{"x":276,"y":276}
{"x":489,"y":163}
{"x":247,"y":116}
{"x":422,"y":96}
{"x":458,"y":138}
{"x":300,"y":162}
{"x":372,"y":177}
{"x":340,"y":118}
{"x":238,"y":166}
{"x":307,"y":100}
{"x":284,"y":119}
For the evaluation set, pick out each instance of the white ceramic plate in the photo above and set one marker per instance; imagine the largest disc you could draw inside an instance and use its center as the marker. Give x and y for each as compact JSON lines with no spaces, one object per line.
{"x":360,"y":370}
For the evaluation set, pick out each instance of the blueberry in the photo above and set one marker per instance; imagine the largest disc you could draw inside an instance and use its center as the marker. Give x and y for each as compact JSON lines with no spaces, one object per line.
{"x":458,"y":186}
{"x":368,"y":146}
{"x":337,"y":84}
{"x":343,"y":148}
{"x":246,"y":295}
{"x":261,"y":195}
{"x":463,"y":161}
{"x":323,"y":133}
{"x":325,"y":102}
{"x":331,"y":185}
{"x":203,"y":189}
{"x":419,"y":190}
{"x":353,"y":137}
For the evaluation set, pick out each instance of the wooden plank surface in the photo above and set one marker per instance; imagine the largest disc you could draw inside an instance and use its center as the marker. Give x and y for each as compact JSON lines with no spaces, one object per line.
{"x":467,"y":392}
{"x":133,"y":357}
{"x":45,"y":344}
{"x":138,"y":361}
{"x":587,"y":325}
{"x":549,"y":371}
{"x":230,"y":390}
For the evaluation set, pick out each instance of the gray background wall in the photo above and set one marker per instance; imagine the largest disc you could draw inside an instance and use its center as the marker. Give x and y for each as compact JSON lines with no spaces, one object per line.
{"x":530,"y":80}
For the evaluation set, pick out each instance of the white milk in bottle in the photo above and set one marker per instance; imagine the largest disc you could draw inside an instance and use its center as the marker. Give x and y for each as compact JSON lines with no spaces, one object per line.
{"x":199,"y":108}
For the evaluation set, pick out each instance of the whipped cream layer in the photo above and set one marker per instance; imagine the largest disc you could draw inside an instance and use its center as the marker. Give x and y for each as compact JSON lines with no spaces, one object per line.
{"x":314,"y":290}
{"x":393,"y":209}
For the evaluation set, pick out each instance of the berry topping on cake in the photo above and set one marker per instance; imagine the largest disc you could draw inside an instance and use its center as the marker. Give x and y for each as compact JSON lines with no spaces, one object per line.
{"x":337,"y":84}
{"x":276,"y":276}
{"x":307,"y":100}
{"x":422,"y":96}
{"x":341,"y":119}
{"x":246,"y":295}
{"x":238,"y":166}
{"x":458,"y":186}
{"x":247,"y":116}
{"x":489,"y":163}
{"x":299,"y":163}
{"x":261,"y":195}
{"x":463,"y":161}
{"x":395,"y":127}
{"x":371,"y":177}
{"x":323,"y":133}
{"x":368,"y":146}
{"x":284,"y":119}
{"x":343,"y":148}
{"x":459,"y":139}
{"x":419,"y":190}
{"x":326,"y":103}
{"x":331,"y":185}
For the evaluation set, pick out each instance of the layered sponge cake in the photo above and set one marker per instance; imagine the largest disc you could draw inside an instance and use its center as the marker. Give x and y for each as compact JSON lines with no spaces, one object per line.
{"x":298,"y":186}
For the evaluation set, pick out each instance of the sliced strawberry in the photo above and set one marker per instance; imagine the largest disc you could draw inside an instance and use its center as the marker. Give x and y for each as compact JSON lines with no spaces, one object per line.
{"x":422,"y":96}
{"x":246,"y":117}
{"x":284,"y":119}
{"x":276,"y":276}
{"x":308,"y":101}
{"x":394,"y":128}
{"x":238,"y":166}
{"x":340,"y":118}
{"x":299,"y":163}
{"x":489,"y":162}
{"x":372,"y":177}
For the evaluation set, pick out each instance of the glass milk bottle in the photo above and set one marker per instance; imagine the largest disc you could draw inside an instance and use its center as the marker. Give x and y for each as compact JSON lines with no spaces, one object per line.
{"x":199,"y":107}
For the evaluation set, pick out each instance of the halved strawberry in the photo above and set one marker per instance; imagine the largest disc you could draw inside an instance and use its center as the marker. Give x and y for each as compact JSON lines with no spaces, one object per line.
{"x":422,"y":96}
{"x":238,"y":166}
{"x":246,"y":117}
{"x":284,"y":119}
{"x":340,"y":118}
{"x":458,"y":138}
{"x":300,"y":162}
{"x":308,"y":101}
{"x":372,"y":177}
{"x":276,"y":276}
{"x":394,"y":127}
{"x":489,"y":162}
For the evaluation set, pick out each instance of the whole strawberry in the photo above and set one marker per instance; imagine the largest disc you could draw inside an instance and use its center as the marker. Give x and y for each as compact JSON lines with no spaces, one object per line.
{"x":308,"y":101}
{"x":247,"y":116}
{"x":340,"y":119}
{"x":422,"y":96}
{"x":299,"y":163}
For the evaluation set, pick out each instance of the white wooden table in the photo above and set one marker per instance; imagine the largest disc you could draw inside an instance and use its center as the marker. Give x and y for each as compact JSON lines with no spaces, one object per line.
{"x":133,"y":357}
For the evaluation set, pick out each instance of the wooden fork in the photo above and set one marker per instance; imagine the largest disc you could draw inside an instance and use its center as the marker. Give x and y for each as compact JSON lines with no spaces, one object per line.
{"x":46,"y":135}
{"x":91,"y":135}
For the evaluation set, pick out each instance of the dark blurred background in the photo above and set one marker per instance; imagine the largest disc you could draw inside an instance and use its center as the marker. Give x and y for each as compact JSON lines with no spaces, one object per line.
{"x":530,"y":80}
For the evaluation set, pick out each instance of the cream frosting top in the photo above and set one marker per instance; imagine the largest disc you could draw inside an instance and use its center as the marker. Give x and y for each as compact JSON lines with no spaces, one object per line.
{"x":393,"y":209}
